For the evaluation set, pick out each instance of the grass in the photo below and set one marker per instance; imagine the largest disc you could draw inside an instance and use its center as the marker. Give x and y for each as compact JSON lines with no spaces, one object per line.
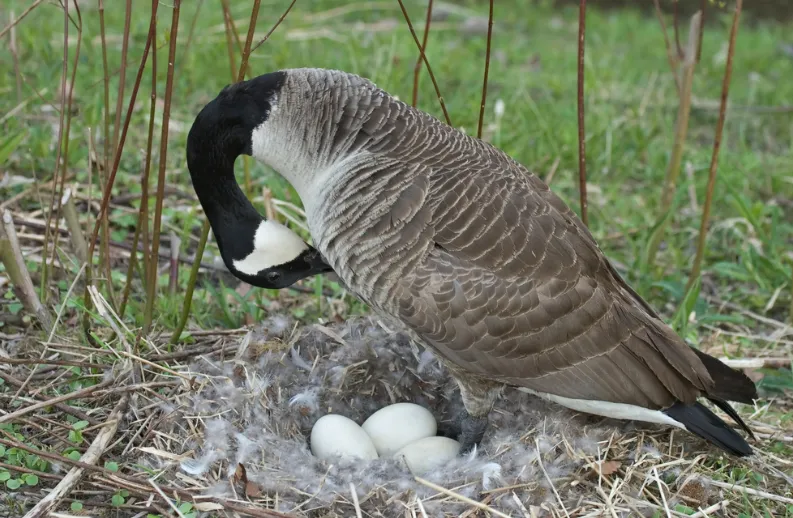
{"x":746,"y":290}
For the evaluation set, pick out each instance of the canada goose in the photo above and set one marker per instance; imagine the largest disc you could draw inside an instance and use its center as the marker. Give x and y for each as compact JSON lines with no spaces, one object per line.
{"x":462,"y":246}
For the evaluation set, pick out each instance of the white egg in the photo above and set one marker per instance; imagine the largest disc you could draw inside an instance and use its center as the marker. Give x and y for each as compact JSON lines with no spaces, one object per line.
{"x":398,"y":425}
{"x":428,"y":453}
{"x":335,"y":434}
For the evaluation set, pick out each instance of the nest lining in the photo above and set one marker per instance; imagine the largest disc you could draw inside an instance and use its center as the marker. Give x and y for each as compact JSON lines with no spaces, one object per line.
{"x":257,"y":409}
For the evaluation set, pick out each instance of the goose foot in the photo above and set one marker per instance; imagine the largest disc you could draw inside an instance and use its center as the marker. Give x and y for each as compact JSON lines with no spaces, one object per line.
{"x":465,"y":429}
{"x":472,"y":430}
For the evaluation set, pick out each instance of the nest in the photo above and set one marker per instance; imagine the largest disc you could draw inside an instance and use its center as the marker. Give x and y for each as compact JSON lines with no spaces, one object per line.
{"x":242,"y":432}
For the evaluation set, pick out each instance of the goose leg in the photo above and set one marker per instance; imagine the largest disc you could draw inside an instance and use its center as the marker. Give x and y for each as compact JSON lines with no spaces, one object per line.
{"x":478,"y":398}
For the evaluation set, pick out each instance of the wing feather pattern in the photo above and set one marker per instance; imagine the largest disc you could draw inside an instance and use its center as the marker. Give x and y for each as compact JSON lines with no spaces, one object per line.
{"x":514,"y":288}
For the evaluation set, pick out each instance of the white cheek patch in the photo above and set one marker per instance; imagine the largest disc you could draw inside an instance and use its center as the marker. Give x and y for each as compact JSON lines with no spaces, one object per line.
{"x":273,"y":245}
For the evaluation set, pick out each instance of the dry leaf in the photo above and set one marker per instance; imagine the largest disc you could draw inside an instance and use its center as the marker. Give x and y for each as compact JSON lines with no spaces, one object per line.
{"x":252,"y":490}
{"x":240,"y":474}
{"x":605,"y":468}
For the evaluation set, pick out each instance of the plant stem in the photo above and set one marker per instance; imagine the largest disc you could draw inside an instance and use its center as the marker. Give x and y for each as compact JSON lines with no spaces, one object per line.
{"x":73,"y":224}
{"x":61,"y":125}
{"x":670,"y":56}
{"x":673,"y":171}
{"x":417,"y":67}
{"x":166,"y":116}
{"x":11,"y":257}
{"x":122,"y":74}
{"x":272,"y":29}
{"x":581,"y":133}
{"x":117,"y":159}
{"x":714,"y":160}
{"x":246,"y":53}
{"x":423,"y":56}
{"x":188,"y":296}
{"x":487,"y":71}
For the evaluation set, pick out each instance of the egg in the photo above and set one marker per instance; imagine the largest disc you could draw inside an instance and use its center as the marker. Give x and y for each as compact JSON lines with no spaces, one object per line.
{"x":428,"y":453}
{"x":393,"y":427}
{"x":335,"y":434}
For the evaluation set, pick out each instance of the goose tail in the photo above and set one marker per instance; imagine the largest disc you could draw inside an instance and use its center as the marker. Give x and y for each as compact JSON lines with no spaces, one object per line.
{"x":699,"y":420}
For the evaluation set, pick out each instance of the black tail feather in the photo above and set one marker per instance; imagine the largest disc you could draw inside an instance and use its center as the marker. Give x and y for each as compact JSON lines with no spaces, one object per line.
{"x":698,"y":419}
{"x":729,"y":384}
{"x":730,"y":411}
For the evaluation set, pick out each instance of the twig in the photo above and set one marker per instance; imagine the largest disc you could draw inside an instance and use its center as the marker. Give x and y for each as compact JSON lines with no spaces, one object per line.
{"x":11,"y":256}
{"x":63,"y":407}
{"x":23,"y":469}
{"x":277,"y":23}
{"x":355,"y":502}
{"x":702,"y":9}
{"x":50,"y":402}
{"x":487,"y":71}
{"x":246,"y":51}
{"x":708,"y":511}
{"x":423,"y":56}
{"x":164,"y":497}
{"x":240,"y":74}
{"x":548,"y":478}
{"x":12,"y":46}
{"x":661,"y":491}
{"x":229,"y":37}
{"x":149,"y":263}
{"x":675,"y":23}
{"x":750,"y":491}
{"x":195,"y":351}
{"x":63,"y":144}
{"x":671,"y":57}
{"x":192,"y":28}
{"x":122,"y":77}
{"x":14,"y":22}
{"x":166,"y":116}
{"x":138,"y":485}
{"x":581,"y":132}
{"x":44,"y":361}
{"x":417,"y":67}
{"x":714,"y":160}
{"x":106,"y":81}
{"x":91,"y":456}
{"x":462,"y":498}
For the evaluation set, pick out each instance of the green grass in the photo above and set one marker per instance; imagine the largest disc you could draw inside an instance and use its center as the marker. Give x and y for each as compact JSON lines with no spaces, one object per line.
{"x":631,"y":108}
{"x":630,"y":113}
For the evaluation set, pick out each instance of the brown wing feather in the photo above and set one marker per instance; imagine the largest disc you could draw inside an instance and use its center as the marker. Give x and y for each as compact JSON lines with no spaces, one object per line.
{"x":515,"y":289}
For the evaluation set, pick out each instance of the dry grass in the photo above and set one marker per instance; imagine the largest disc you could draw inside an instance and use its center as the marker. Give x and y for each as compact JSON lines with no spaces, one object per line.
{"x":218,"y":425}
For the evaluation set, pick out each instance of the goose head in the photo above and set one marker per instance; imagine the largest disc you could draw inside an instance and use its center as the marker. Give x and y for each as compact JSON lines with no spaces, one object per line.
{"x":260,"y":252}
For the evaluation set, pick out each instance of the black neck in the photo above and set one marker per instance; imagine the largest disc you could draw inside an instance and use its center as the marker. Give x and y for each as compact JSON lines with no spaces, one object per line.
{"x":231,"y":215}
{"x":222,"y":132}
